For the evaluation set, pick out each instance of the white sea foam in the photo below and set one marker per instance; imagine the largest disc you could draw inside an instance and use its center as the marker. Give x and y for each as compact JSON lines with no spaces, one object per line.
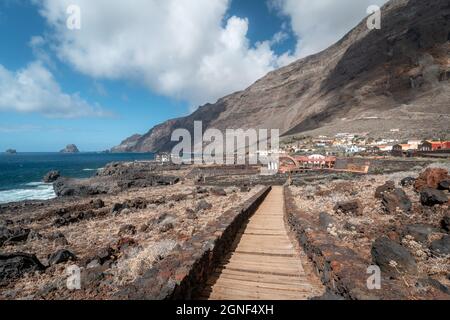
{"x":36,"y":191}
{"x":87,"y":169}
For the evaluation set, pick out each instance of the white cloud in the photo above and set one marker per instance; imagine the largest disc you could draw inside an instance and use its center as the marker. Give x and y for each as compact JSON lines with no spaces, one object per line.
{"x":34,"y":89}
{"x":320,"y":23}
{"x":178,"y":48}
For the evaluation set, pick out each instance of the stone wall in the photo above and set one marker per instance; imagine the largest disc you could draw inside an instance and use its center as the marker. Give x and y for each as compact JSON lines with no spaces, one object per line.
{"x":183,"y":274}
{"x":341,"y":270}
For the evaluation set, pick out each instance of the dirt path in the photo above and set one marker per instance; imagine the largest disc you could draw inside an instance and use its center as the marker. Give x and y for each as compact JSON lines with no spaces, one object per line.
{"x":264,"y":264}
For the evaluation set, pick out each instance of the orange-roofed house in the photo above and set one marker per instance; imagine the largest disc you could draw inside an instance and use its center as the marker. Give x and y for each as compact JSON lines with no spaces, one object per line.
{"x":435,"y":146}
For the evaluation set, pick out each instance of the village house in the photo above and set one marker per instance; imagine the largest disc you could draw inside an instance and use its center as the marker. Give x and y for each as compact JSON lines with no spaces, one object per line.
{"x":434,"y":146}
{"x":316,"y":161}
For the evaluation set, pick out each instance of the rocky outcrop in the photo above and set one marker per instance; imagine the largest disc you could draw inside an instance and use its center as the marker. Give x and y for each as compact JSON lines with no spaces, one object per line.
{"x":431,"y":178}
{"x":11,"y":151}
{"x":431,"y":197}
{"x":441,"y":246}
{"x":444,"y":185}
{"x":396,"y":200}
{"x":386,"y":188}
{"x":445,"y":223}
{"x":392,"y":258}
{"x":353,"y":207}
{"x":51,"y":177}
{"x":13,"y":235}
{"x":61,"y":256}
{"x":71,"y":148}
{"x":420,"y":232}
{"x":15,"y":265}
{"x":116,"y":177}
{"x":369,"y":81}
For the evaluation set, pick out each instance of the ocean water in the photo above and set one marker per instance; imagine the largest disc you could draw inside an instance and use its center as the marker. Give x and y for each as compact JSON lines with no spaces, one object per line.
{"x":21,"y":174}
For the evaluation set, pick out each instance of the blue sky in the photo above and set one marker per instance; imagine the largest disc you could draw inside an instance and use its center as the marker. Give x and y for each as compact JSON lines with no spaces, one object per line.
{"x":131,"y":67}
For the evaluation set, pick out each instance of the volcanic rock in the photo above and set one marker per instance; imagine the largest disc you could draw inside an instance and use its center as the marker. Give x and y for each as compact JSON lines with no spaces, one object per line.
{"x":441,"y":246}
{"x":218,"y":192}
{"x":51,"y":177}
{"x":387,"y":187}
{"x":353,"y":207}
{"x":408,"y":182}
{"x":445,"y":223}
{"x":420,"y":232}
{"x":444,"y":185}
{"x":392,"y":258}
{"x":326,"y":220}
{"x":61,"y":256}
{"x":15,"y":265}
{"x":431,"y":197}
{"x":394,"y":200}
{"x":203,"y":205}
{"x":431,"y":178}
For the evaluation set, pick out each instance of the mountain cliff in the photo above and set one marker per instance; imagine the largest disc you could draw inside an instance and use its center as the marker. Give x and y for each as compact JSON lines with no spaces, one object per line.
{"x":370,"y":81}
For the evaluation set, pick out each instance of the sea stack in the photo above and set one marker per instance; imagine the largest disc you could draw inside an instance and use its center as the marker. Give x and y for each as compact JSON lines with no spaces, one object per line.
{"x":71,"y":148}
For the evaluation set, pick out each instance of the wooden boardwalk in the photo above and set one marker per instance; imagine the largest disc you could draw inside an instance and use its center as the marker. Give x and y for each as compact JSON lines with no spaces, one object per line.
{"x":264,"y":264}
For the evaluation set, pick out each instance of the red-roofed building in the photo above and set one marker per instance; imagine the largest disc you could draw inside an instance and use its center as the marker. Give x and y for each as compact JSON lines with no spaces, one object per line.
{"x":435,"y":146}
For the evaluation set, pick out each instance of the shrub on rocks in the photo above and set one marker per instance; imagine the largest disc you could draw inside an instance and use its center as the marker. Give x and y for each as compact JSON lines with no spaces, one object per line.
{"x":396,"y":200}
{"x":431,"y":197}
{"x":61,"y":256}
{"x":15,"y":265}
{"x":353,"y":207}
{"x":392,"y":258}
{"x":431,"y":178}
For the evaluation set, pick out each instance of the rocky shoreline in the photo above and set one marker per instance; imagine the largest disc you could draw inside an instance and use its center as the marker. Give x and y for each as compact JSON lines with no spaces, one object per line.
{"x":113,"y":227}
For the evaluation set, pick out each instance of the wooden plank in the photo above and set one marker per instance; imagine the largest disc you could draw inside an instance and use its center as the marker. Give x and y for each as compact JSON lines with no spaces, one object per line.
{"x":264,"y":264}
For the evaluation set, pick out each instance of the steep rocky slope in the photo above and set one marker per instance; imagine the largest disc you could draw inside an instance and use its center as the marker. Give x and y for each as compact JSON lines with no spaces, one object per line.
{"x":369,"y":81}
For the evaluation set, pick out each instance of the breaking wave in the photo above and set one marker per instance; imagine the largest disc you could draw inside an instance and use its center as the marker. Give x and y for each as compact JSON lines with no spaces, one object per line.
{"x":30,"y":191}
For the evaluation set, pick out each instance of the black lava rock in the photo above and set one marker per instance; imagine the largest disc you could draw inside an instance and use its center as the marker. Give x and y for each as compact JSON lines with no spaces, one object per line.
{"x":441,"y":246}
{"x":385,"y":251}
{"x":431,"y":197}
{"x":61,"y":256}
{"x":15,"y":265}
